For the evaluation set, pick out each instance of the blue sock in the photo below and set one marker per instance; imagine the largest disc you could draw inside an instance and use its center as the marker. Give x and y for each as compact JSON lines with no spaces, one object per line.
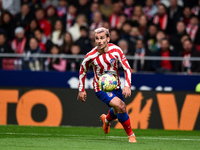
{"x":122,"y":117}
{"x":112,"y":114}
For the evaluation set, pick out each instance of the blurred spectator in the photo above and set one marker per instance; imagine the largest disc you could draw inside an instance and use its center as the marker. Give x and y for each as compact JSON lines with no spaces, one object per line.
{"x":168,"y":4}
{"x":13,"y":6}
{"x":114,"y":17}
{"x":137,"y":12}
{"x":193,"y":30}
{"x":126,"y":28}
{"x":183,"y":38}
{"x":74,"y":64}
{"x":43,"y":22}
{"x":69,"y":18}
{"x":97,"y":21}
{"x":29,"y":33}
{"x":55,"y":64}
{"x":62,"y":8}
{"x":129,"y":21}
{"x":33,"y":63}
{"x":34,"y":5}
{"x":51,"y":15}
{"x":128,"y":8}
{"x":7,"y":23}
{"x":174,"y":13}
{"x":150,"y":9}
{"x":166,"y":65}
{"x":84,"y":8}
{"x":67,"y":43}
{"x":175,"y":38}
{"x":186,"y":15}
{"x":84,"y":41}
{"x":143,"y":25}
{"x":122,"y":19}
{"x":19,"y":43}
{"x":123,"y":44}
{"x":106,"y":25}
{"x":161,"y":18}
{"x":92,"y":38}
{"x":160,"y":35}
{"x":140,"y":52}
{"x":114,"y":36}
{"x":150,"y":38}
{"x":93,"y":8}
{"x":196,"y":9}
{"x":48,"y":3}
{"x":81,"y":20}
{"x":135,"y":35}
{"x":58,"y":33}
{"x":4,"y":47}
{"x":44,"y":43}
{"x":24,"y":17}
{"x":186,"y":65}
{"x":106,"y":8}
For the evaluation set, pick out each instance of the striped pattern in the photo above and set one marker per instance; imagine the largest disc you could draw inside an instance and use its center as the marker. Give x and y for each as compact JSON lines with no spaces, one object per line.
{"x":113,"y":20}
{"x":104,"y":63}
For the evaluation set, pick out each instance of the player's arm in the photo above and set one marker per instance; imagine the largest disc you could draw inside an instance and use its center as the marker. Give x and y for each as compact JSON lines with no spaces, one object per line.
{"x":82,"y":95}
{"x":127,"y":86}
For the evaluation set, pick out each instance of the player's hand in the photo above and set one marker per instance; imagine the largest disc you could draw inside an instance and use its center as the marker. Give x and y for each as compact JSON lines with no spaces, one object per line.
{"x":126,"y":91}
{"x":82,"y":96}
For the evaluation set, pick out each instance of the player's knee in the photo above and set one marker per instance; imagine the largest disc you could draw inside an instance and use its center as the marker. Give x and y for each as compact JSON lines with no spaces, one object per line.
{"x":118,"y":105}
{"x":121,"y":108}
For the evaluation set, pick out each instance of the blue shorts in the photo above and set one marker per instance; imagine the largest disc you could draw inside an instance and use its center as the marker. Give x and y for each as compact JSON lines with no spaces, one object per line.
{"x":106,"y":97}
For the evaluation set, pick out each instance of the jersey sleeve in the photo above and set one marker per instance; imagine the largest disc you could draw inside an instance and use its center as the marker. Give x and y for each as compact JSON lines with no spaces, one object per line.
{"x":126,"y":67}
{"x":83,"y":73}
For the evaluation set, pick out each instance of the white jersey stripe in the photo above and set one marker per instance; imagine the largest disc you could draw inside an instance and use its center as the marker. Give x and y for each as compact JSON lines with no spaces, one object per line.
{"x":103,"y":62}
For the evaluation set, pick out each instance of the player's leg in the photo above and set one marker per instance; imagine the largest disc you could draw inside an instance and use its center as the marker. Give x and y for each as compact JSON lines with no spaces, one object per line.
{"x":115,"y":99}
{"x":119,"y":106}
{"x":122,"y":115}
{"x":111,"y":116}
{"x":106,"y":98}
{"x":112,"y":113}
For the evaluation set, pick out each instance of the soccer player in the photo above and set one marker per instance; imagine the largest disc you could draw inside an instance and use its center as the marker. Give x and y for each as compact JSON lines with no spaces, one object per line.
{"x":105,"y":58}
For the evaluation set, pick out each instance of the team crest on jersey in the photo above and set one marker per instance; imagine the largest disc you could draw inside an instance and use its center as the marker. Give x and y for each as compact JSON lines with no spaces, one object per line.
{"x":112,"y":61}
{"x":110,"y":94}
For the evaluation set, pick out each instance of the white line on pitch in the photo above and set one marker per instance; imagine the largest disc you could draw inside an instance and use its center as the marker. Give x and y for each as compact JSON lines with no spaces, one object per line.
{"x":66,"y":135}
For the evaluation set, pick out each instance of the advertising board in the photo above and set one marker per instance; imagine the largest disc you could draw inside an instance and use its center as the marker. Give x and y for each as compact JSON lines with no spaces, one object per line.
{"x":59,"y":106}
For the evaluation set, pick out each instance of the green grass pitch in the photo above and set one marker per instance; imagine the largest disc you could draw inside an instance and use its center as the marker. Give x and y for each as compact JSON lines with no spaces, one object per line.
{"x":93,"y":138}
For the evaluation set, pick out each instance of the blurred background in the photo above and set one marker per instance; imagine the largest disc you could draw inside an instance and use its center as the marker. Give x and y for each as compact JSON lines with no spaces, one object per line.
{"x":43,"y":42}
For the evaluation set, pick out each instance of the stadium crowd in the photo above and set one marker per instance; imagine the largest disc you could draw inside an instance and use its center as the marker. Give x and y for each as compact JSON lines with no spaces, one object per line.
{"x":140,"y":28}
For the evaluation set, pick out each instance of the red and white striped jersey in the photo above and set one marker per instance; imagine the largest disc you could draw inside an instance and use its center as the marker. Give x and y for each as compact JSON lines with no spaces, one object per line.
{"x":104,"y":63}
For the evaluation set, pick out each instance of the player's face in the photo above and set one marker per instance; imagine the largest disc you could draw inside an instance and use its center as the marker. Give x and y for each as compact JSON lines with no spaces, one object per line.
{"x":101,"y":41}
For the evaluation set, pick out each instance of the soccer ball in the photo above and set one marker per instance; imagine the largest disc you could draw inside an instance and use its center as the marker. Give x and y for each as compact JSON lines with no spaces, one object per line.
{"x":107,"y":82}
